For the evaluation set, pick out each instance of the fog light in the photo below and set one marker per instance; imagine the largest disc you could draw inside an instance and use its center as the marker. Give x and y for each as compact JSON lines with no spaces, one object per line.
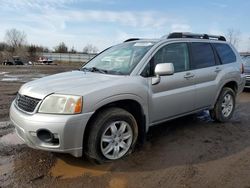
{"x":45,"y":135}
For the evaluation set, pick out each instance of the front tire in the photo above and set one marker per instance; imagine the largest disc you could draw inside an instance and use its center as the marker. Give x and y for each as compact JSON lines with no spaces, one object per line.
{"x":113,"y":134}
{"x":225,"y":105}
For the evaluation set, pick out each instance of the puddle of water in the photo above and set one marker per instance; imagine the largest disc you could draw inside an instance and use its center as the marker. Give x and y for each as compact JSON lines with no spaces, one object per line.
{"x":10,"y":76}
{"x":117,"y":182}
{"x":9,"y":79}
{"x":1,"y":73}
{"x":20,"y":78}
{"x":70,"y":168}
{"x":10,"y":139}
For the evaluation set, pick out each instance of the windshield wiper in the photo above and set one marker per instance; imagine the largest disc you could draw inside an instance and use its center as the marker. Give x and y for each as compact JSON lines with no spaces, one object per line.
{"x":94,"y":69}
{"x":85,"y":69}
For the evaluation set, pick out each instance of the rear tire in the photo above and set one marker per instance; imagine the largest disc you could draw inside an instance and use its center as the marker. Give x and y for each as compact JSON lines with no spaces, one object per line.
{"x":113,"y":134}
{"x":225,"y":105}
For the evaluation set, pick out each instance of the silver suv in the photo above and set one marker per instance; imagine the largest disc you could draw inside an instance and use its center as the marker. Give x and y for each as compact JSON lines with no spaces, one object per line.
{"x":102,"y":110}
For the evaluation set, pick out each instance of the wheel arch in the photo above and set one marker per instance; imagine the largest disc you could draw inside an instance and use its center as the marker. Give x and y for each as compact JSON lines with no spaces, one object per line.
{"x":130,"y":105}
{"x":233,"y":85}
{"x":230,"y":84}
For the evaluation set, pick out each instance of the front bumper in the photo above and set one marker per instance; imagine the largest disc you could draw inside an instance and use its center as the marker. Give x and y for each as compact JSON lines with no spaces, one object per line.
{"x":69,"y":129}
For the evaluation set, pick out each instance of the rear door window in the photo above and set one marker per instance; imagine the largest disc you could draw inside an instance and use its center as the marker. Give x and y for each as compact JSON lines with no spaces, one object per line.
{"x":225,"y":53}
{"x":202,"y":55}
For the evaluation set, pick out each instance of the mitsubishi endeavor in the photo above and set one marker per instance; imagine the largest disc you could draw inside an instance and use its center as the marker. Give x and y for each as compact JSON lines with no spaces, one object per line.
{"x":103,"y":109}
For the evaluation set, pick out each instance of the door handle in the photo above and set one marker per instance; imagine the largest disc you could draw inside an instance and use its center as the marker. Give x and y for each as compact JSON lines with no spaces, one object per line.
{"x":217,"y":69}
{"x":189,"y":75}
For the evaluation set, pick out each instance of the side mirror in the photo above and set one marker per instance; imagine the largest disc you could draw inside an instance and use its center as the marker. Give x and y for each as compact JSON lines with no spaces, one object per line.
{"x":162,"y":69}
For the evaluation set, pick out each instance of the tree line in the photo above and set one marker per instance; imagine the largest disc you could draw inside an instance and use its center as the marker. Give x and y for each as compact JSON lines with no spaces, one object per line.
{"x":62,"y":48}
{"x":15,"y":44}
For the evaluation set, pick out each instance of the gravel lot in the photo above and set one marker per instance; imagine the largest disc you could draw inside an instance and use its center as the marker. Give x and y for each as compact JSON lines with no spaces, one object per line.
{"x":192,"y":151}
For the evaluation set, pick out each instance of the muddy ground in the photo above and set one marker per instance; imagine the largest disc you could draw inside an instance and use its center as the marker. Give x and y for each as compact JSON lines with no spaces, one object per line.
{"x":192,"y":151}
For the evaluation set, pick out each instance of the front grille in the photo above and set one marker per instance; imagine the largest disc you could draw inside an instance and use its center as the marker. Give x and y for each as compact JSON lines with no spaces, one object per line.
{"x":25,"y":103}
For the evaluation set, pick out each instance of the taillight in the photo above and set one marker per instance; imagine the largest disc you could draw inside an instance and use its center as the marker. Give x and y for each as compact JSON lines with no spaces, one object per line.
{"x":242,"y":68}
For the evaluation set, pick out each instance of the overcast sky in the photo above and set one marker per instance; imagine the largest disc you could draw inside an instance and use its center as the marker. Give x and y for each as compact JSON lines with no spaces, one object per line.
{"x":107,"y":22}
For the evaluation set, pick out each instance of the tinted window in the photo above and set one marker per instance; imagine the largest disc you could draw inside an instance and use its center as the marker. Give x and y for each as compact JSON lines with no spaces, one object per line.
{"x":203,"y":55}
{"x":173,"y":53}
{"x":225,"y":53}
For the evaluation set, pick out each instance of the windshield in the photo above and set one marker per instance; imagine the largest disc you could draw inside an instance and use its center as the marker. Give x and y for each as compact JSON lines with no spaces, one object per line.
{"x":120,"y":59}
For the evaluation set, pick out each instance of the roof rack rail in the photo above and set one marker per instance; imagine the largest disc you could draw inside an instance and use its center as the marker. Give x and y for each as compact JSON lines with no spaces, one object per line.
{"x":196,"y":36}
{"x":131,"y":39}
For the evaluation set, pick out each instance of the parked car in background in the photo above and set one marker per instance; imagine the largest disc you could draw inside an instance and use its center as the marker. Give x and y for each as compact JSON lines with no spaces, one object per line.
{"x":7,"y":62}
{"x":105,"y":108}
{"x":45,"y":60}
{"x":15,"y":61}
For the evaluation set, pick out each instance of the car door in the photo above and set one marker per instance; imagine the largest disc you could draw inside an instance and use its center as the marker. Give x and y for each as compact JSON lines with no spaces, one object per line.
{"x":206,"y":69}
{"x":174,"y":94}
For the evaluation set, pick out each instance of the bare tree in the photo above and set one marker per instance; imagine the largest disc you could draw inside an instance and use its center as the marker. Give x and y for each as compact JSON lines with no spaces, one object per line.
{"x":233,"y":36}
{"x":89,"y":48}
{"x":34,"y":51}
{"x":15,"y":39}
{"x":61,"y":48}
{"x":72,"y":50}
{"x":22,"y":53}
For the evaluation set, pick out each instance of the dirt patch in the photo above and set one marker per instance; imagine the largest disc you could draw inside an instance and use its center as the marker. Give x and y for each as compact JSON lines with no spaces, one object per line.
{"x":192,"y":151}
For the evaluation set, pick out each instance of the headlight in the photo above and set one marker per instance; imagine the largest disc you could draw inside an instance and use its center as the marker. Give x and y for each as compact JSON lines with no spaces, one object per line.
{"x":61,"y":104}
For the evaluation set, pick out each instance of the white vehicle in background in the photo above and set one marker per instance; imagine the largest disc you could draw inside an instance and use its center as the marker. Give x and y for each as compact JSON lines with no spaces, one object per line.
{"x":45,"y":60}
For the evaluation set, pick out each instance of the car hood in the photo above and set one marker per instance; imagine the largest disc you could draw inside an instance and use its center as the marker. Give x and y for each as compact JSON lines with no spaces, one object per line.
{"x":66,"y":83}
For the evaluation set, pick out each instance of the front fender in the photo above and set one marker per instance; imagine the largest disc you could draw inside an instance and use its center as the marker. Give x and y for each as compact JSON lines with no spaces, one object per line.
{"x":126,"y":96}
